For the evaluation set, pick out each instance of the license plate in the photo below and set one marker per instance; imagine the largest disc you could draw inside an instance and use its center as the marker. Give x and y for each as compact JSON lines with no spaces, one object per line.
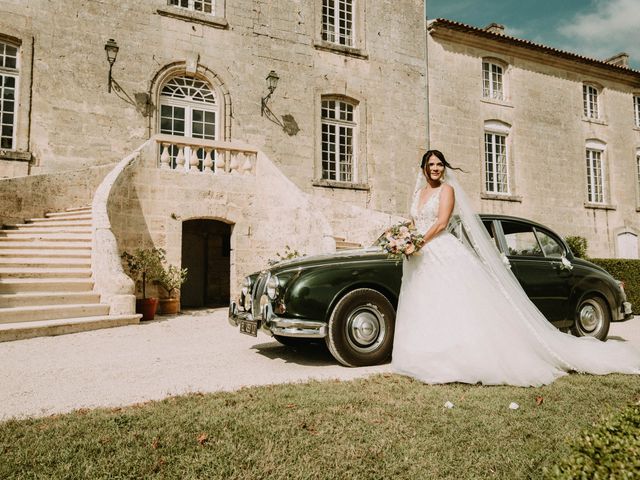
{"x":249,"y":327}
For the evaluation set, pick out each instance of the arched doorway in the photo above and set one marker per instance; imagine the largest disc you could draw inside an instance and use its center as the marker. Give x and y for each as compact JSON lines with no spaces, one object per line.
{"x":627,"y":245}
{"x":206,"y":247}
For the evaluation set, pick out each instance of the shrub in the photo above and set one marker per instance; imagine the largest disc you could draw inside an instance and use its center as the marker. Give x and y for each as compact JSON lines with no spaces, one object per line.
{"x":288,"y":254}
{"x":171,"y":279}
{"x":578,"y":245}
{"x":627,"y":270}
{"x":609,"y":450}
{"x":144,"y":265}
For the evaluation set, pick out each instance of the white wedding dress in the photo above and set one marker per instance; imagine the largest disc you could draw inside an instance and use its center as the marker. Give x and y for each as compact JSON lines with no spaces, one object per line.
{"x":457,"y":321}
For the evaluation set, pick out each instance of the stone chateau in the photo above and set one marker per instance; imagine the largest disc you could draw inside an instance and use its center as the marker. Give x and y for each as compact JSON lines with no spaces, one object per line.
{"x":229,"y":132}
{"x":544,"y":134}
{"x":223,"y":132}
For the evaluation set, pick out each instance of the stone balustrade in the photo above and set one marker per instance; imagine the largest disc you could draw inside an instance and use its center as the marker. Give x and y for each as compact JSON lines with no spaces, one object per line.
{"x":196,"y":155}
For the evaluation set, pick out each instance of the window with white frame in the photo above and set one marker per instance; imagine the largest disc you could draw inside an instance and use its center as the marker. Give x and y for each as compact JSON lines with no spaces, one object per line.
{"x":492,"y":80}
{"x":590,"y":101}
{"x":595,"y":174}
{"x":338,"y":21}
{"x":339,"y":130}
{"x":496,"y":160}
{"x":204,"y":6}
{"x":188,"y":108}
{"x":636,"y":109}
{"x":9,"y":73}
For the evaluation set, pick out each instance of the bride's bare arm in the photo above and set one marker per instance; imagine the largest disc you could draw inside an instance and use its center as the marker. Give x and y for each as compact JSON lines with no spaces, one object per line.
{"x":447,"y":201}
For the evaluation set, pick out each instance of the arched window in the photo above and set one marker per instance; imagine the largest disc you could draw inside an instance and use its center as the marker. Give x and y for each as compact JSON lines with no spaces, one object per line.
{"x":188,"y":108}
{"x":9,"y":72}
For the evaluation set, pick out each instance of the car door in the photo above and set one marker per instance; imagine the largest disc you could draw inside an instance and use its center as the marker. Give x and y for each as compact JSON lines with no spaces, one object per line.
{"x":536,"y":257}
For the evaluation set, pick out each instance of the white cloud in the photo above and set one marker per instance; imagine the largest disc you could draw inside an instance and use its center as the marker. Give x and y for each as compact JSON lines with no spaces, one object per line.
{"x":610,"y":29}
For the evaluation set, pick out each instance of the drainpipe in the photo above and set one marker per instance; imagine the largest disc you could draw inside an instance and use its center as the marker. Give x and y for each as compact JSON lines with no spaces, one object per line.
{"x":426,"y":77}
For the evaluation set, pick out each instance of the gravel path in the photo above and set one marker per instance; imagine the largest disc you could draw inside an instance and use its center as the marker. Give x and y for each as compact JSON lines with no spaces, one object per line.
{"x":197,"y":352}
{"x":125,"y":365}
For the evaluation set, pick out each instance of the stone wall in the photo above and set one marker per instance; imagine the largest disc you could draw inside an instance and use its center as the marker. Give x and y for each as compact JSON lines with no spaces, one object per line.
{"x":32,"y":196}
{"x":68,"y":120}
{"x":266,"y":211}
{"x":546,"y":142}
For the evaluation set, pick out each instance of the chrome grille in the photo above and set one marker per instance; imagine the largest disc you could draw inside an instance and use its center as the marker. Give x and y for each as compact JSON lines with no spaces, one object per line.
{"x":257,"y":292}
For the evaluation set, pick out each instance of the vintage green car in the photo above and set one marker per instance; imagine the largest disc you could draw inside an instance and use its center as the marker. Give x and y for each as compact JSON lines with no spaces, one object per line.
{"x":348,"y":299}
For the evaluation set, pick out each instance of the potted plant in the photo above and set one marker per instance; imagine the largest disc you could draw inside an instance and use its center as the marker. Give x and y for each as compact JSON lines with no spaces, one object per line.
{"x":170,"y":279}
{"x":145,"y":265}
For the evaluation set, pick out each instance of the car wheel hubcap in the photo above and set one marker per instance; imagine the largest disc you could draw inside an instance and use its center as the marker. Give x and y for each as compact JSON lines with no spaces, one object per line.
{"x":591,"y":316}
{"x":365,"y":329}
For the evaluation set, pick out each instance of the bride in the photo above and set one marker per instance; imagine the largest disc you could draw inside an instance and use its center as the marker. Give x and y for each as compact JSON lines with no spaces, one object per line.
{"x":463,"y":317}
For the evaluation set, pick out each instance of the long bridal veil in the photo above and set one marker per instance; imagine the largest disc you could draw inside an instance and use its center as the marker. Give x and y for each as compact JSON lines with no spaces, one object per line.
{"x":564,"y":352}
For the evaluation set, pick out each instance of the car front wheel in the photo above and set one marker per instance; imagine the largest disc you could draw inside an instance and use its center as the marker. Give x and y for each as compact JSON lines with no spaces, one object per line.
{"x":592,"y":319}
{"x":360,"y":329}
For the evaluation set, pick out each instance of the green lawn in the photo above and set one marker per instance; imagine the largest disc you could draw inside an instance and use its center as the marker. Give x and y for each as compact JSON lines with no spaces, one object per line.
{"x":386,"y":426}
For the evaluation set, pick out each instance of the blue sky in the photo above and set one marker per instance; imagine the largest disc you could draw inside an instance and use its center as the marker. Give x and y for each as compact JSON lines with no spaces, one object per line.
{"x":594,"y":28}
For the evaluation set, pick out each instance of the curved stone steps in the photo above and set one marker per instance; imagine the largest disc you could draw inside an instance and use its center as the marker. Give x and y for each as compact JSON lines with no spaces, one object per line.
{"x":45,"y":278}
{"x":25,"y":299}
{"x":23,"y":330}
{"x":52,"y":285}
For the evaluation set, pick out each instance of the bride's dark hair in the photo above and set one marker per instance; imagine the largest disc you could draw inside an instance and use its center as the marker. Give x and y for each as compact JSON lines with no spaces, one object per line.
{"x":440,"y":156}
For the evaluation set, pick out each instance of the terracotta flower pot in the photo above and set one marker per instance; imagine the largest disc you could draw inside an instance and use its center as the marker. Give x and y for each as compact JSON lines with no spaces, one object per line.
{"x":147,"y":307}
{"x":169,"y":306}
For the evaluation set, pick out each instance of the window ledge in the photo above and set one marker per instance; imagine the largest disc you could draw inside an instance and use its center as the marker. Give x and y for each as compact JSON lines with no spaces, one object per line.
{"x":191,"y":16}
{"x":596,"y":121}
{"x":344,"y":185}
{"x":341,"y":49}
{"x":599,"y":206}
{"x":14,"y":156}
{"x":495,"y":101}
{"x":501,"y":197}
{"x":637,"y":128}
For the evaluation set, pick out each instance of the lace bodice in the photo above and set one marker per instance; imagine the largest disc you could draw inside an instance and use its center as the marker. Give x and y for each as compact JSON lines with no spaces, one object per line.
{"x":428,"y":214}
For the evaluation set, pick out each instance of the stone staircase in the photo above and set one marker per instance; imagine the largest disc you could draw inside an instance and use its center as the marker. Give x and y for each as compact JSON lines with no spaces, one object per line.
{"x":343,"y":244}
{"x":45,"y":278}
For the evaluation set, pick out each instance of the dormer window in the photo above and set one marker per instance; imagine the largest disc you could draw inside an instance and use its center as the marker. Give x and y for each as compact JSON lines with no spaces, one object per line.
{"x":204,"y":6}
{"x":590,"y":99}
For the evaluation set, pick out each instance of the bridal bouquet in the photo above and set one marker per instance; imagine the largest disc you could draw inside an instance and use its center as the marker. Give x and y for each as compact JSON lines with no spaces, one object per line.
{"x":401,"y":239}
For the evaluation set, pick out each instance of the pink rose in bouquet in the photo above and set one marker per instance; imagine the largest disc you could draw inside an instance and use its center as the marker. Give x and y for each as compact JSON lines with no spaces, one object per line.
{"x":401,"y":240}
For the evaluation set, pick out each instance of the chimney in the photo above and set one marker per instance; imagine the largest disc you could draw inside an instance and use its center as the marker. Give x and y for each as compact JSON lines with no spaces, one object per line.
{"x":620,"y":60}
{"x":495,"y":28}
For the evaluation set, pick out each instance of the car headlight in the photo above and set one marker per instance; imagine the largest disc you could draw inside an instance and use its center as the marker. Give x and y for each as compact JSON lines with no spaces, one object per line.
{"x":272,"y":287}
{"x":246,"y":286}
{"x":246,"y":303}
